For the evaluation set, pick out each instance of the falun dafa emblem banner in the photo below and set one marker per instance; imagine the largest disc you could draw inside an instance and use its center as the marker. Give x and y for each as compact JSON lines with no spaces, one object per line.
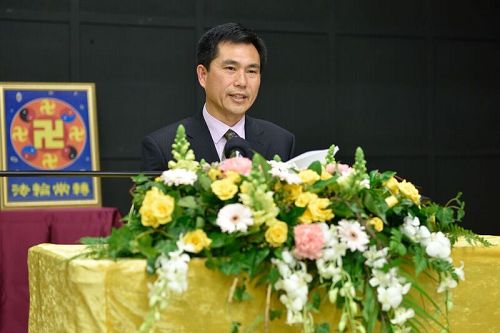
{"x":44,"y":127}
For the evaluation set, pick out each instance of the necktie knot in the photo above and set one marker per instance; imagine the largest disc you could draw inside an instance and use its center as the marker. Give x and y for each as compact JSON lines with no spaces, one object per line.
{"x":230,"y":134}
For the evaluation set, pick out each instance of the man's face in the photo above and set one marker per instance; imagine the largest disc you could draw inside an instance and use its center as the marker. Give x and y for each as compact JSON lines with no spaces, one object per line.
{"x":232,"y":82}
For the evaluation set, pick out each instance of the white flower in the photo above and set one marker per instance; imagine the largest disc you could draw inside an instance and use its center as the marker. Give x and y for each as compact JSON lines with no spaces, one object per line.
{"x":178,"y":177}
{"x":438,"y":245}
{"x":447,"y":282}
{"x":390,"y":297}
{"x":401,"y":315}
{"x":410,"y":227}
{"x":459,"y":271}
{"x":376,"y":258}
{"x":234,"y":217}
{"x":285,"y":172}
{"x":353,"y":235}
{"x":365,"y":183}
{"x":172,"y":270}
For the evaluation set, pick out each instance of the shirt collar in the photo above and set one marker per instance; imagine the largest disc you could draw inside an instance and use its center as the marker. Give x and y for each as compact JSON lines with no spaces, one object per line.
{"x":217,"y":128}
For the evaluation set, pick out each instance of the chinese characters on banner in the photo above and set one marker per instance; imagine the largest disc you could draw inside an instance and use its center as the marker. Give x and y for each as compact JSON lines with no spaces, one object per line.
{"x":49,"y":127}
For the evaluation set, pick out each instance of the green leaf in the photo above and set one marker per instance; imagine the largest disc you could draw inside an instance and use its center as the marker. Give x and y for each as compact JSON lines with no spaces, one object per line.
{"x":375,"y":203}
{"x":315,"y":302}
{"x":235,"y":327}
{"x":187,"y":202}
{"x":370,"y":308}
{"x":240,"y":294}
{"x":419,"y":259}
{"x":273,"y":314}
{"x":322,"y":328}
{"x":316,"y":167}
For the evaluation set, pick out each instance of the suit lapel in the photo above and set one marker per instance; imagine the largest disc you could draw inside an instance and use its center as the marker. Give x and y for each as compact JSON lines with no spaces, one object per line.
{"x":254,"y":135}
{"x":200,"y":139}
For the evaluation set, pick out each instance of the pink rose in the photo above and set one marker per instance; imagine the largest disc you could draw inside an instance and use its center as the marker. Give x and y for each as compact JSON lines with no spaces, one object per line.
{"x":309,"y":241}
{"x":241,"y":165}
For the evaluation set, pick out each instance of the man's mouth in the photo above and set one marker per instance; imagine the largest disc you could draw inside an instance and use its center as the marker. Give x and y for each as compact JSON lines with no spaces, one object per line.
{"x":238,"y":97}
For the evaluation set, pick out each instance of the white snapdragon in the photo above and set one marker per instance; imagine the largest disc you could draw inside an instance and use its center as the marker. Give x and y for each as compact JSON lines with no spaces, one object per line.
{"x":293,"y":281}
{"x":330,"y":264}
{"x":173,"y":268}
{"x":178,"y":177}
{"x":284,"y":172}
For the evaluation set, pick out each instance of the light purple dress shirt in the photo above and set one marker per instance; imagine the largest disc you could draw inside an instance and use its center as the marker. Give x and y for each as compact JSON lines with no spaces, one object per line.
{"x":217,"y":130}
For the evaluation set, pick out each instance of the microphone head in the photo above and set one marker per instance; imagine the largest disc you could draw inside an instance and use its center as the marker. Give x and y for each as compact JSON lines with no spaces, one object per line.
{"x":237,"y":146}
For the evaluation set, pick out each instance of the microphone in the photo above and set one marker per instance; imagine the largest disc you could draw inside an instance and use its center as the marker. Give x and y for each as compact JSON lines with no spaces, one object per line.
{"x":237,"y":147}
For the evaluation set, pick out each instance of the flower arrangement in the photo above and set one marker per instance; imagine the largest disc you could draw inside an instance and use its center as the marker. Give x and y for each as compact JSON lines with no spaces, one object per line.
{"x":331,"y":232}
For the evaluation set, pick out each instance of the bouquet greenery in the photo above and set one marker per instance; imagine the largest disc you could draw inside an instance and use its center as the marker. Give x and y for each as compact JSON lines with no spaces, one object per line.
{"x":330,"y":232}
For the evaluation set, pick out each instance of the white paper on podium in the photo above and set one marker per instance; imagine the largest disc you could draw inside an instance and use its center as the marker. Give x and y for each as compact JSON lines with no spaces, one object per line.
{"x":305,"y":159}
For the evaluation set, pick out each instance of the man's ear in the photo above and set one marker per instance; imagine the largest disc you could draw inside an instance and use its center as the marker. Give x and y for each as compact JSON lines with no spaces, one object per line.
{"x":201,"y":72}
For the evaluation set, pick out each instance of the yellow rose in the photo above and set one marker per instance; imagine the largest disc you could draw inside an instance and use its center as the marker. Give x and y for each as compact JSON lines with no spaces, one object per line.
{"x":308,"y":176}
{"x":277,"y":233}
{"x":392,"y":185}
{"x":214,"y":173}
{"x":409,"y":191}
{"x":377,"y":223}
{"x":196,"y":241}
{"x":306,"y":217}
{"x":318,"y":210}
{"x":293,"y":191}
{"x":157,"y":208}
{"x":304,"y":198}
{"x":224,"y":189}
{"x":391,"y":201}
{"x":233,"y":176}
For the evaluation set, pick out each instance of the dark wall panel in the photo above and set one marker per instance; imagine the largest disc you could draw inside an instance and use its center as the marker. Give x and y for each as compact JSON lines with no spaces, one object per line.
{"x":375,"y":17}
{"x":34,"y":51}
{"x":143,"y":76}
{"x":467,"y":99}
{"x":476,"y":179}
{"x":381,"y":100}
{"x":294,"y":89}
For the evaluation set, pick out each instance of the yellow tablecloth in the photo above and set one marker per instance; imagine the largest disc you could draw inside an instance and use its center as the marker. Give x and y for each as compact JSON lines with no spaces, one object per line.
{"x":84,"y":295}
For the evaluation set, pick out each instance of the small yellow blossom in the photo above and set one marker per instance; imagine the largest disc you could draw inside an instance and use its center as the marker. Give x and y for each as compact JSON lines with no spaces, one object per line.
{"x":392,"y":185}
{"x":196,"y":240}
{"x":304,"y":198}
{"x":308,"y":176}
{"x":277,"y":233}
{"x":377,"y":223}
{"x":391,"y":201}
{"x":157,"y":208}
{"x":224,"y":189}
{"x":409,"y":191}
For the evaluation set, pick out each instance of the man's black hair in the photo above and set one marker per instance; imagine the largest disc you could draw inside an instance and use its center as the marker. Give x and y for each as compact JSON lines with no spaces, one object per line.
{"x":207,"y":49}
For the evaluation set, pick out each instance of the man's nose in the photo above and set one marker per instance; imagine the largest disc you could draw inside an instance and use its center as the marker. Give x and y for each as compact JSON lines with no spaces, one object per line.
{"x":240,"y":79}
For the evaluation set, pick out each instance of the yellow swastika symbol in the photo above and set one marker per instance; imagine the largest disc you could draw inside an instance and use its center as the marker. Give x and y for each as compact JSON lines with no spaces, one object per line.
{"x":49,"y":161}
{"x":19,"y":133}
{"x":47,"y":107}
{"x":76,"y":134}
{"x":48,"y":134}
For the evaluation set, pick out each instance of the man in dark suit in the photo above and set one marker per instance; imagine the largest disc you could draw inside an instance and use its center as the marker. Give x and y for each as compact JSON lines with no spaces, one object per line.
{"x":230,"y":61}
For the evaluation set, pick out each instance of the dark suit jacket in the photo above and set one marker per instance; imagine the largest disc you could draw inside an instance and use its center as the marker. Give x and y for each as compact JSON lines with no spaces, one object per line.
{"x":264,"y":137}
